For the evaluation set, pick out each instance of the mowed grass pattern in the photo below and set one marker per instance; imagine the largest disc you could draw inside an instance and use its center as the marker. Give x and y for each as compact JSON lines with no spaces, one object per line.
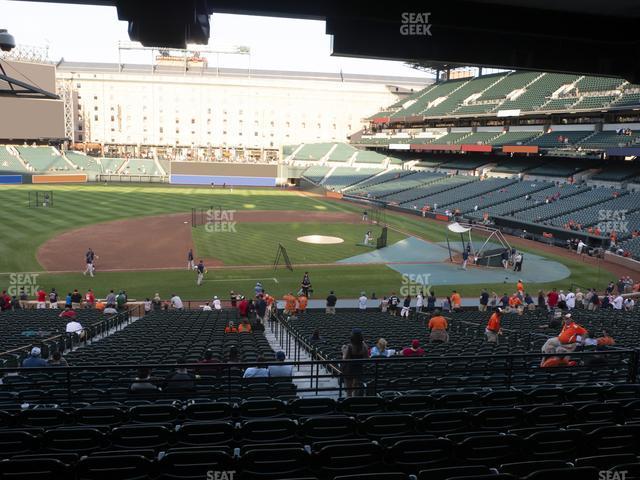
{"x":24,"y":229}
{"x":257,"y":243}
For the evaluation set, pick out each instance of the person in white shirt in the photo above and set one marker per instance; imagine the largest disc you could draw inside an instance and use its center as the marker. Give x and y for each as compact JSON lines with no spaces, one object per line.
{"x":281,"y":370}
{"x":362,"y":301}
{"x":419,"y":302}
{"x":109,"y":311}
{"x":256,"y":372}
{"x":562,"y":297}
{"x":73,"y":327}
{"x":216,"y":303}
{"x":206,"y":308}
{"x":571,"y":300}
{"x":147,"y":306}
{"x":617,"y":302}
{"x":629,"y":303}
{"x":176,"y":302}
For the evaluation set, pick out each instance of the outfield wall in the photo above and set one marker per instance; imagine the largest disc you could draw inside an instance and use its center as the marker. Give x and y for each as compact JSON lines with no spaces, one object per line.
{"x":72,"y":178}
{"x":10,"y":179}
{"x":206,"y":173}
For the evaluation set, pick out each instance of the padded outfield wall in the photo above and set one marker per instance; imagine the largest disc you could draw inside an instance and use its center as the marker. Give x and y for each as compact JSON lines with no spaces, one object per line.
{"x":200,"y":173}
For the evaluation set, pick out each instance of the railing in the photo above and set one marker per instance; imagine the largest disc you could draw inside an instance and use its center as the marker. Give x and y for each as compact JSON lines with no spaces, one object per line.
{"x":66,"y":341}
{"x":224,"y":382}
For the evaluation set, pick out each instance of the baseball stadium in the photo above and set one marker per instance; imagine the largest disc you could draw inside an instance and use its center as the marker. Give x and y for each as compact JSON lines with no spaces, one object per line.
{"x":272,"y":271}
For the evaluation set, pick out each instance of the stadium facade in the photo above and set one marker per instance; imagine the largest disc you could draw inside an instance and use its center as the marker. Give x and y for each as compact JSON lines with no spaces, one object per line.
{"x":169,"y":106}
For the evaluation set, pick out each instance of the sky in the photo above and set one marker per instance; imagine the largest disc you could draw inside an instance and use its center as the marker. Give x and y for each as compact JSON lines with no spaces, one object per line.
{"x":91,"y":33}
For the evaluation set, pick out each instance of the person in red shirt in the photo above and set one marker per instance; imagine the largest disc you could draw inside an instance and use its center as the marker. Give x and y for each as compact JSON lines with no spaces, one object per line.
{"x":557,"y":362}
{"x":552,"y":299}
{"x":243,"y":307}
{"x":494,"y":326}
{"x":415,"y":350}
{"x":90,"y":299}
{"x":41,"y":295}
{"x":68,"y":313}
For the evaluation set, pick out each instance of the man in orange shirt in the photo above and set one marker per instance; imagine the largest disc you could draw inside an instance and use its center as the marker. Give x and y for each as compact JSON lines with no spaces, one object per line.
{"x":515,"y":303}
{"x":520,"y":286}
{"x":571,"y":335}
{"x":438,"y":326}
{"x":494,"y":327}
{"x":302,"y":304}
{"x":244,"y":327}
{"x":456,"y":301}
{"x":231,"y":328}
{"x":289,"y":304}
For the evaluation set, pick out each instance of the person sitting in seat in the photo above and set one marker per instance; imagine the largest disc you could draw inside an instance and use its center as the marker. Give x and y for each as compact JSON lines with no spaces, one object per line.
{"x":380,"y":349}
{"x":257,"y":371}
{"x":143,"y":383}
{"x":34,"y":360}
{"x":244,"y":327}
{"x":57,"y":360}
{"x":415,"y":350}
{"x":180,"y":380}
{"x":230,"y":328}
{"x":75,"y":328}
{"x":281,"y":370}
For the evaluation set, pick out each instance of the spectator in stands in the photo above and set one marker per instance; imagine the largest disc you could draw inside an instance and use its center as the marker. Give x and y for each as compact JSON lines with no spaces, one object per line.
{"x":257,"y":371}
{"x":180,"y":380}
{"x":76,"y":299}
{"x":233,"y":298}
{"x":258,"y":289}
{"x":330,"y":308}
{"x":230,"y":328}
{"x":493,"y":301}
{"x":419,"y":302}
{"x":515,"y":304}
{"x":24,"y":298}
{"x":415,"y":350}
{"x":629,"y":304}
{"x":68,"y":301}
{"x":121,"y":301}
{"x":394,"y":301}
{"x":438,"y":325}
{"x":494,"y":326}
{"x":89,"y":299}
{"x":431,"y":301}
{"x":68,"y":313}
{"x":57,"y":360}
{"x":216,"y":304}
{"x":245,"y":326}
{"x":143,"y":383}
{"x":289,"y":304}
{"x":41,"y":299}
{"x":302,"y":304}
{"x":234,"y":355}
{"x":176,"y":302}
{"x":446,"y":304}
{"x":280,"y":370}
{"x":111,"y":299}
{"x":34,"y":360}
{"x":484,"y":301}
{"x":384,"y":305}
{"x":528,"y":301}
{"x":552,"y":299}
{"x":618,"y":302}
{"x":504,"y":301}
{"x":315,"y":337}
{"x":456,"y":301}
{"x":208,"y":361}
{"x":53,"y":298}
{"x":570,"y":300}
{"x":406,"y":307}
{"x":571,"y":335}
{"x":109,"y":311}
{"x":157,"y":302}
{"x":74,"y":327}
{"x":352,"y":372}
{"x":380,"y":349}
{"x":542,"y":302}
{"x":362,"y":302}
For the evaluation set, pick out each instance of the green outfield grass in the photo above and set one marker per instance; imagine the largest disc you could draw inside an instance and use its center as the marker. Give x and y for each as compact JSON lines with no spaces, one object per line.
{"x":257,"y":243}
{"x":24,"y":229}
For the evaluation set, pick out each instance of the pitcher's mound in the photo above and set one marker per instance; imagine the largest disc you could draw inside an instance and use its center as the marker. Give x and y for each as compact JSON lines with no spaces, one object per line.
{"x":320,"y":239}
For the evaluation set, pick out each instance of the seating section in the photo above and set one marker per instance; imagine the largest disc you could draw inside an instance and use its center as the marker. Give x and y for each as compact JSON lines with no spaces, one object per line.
{"x":43,"y":159}
{"x":366,"y":156}
{"x":514,"y":138}
{"x":141,"y":166}
{"x":313,"y":151}
{"x":608,"y":139}
{"x":85,"y":163}
{"x":565,"y":205}
{"x":518,"y":164}
{"x":363,"y":187}
{"x":342,"y":153}
{"x":111,"y":165}
{"x":8,"y":162}
{"x":533,"y":195}
{"x":419,"y":193}
{"x":316,"y":173}
{"x":403,"y":184}
{"x":589,"y":216}
{"x":462,"y":163}
{"x":343,"y":177}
